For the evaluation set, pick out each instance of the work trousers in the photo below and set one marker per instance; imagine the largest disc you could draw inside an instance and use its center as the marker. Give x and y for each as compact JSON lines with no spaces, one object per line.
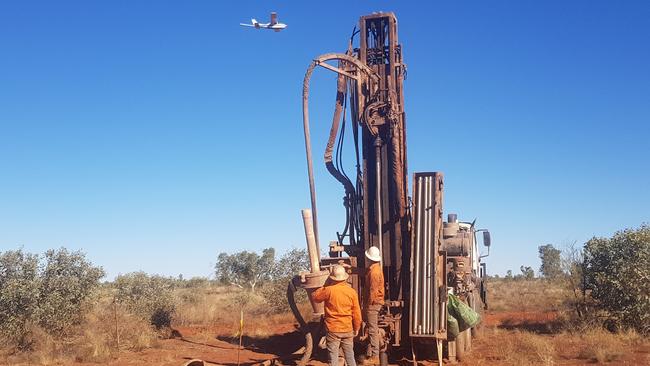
{"x":372,"y":316}
{"x":342,"y":340}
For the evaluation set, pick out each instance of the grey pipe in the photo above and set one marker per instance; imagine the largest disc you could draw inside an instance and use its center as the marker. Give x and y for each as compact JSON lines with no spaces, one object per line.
{"x":416,"y":256}
{"x":429,"y":257}
{"x":380,"y":231}
{"x":426,"y":257}
{"x":312,"y":248}
{"x":423,"y":255}
{"x":426,"y":241}
{"x":431,"y":308}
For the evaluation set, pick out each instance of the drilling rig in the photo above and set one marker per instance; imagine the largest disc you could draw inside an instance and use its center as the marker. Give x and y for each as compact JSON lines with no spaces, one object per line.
{"x":423,"y":257}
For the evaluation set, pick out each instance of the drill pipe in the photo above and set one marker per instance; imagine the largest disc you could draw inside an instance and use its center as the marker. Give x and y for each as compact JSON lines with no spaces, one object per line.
{"x":312,"y":248}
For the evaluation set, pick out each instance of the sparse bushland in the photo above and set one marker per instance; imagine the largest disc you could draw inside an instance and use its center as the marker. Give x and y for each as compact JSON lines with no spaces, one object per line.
{"x":246,"y":269}
{"x":526,"y":295}
{"x":260,"y":320}
{"x":596,"y":345}
{"x":53,"y":308}
{"x":606,"y":282}
{"x":552,"y":320}
{"x":264,"y":306}
{"x":533,"y":322}
{"x":596,"y":310}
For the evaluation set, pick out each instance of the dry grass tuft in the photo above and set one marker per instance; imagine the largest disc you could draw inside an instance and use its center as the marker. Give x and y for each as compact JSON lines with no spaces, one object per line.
{"x":526,"y":295}
{"x":219,"y":308}
{"x":95,"y":340}
{"x":521,"y":348}
{"x":601,"y":346}
{"x":110,"y":328}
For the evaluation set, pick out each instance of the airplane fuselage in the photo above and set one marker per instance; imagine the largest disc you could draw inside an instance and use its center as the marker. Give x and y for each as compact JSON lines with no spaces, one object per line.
{"x":276,"y":27}
{"x":274,"y":24}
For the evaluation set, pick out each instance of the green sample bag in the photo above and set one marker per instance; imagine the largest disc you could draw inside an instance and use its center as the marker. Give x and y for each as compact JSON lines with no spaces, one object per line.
{"x":452,"y":327}
{"x":464,"y":315}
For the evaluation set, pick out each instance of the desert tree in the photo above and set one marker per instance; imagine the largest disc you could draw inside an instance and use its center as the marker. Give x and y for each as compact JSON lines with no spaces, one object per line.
{"x":245,"y":269}
{"x":617,"y":273}
{"x":572,"y":263}
{"x":508,"y":275}
{"x":527,"y":272}
{"x":288,"y":265}
{"x":551,"y":267}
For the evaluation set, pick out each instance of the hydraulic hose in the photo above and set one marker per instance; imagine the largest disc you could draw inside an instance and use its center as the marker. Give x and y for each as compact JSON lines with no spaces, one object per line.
{"x":309,"y":340}
{"x":320,"y":61}
{"x":341,"y":90}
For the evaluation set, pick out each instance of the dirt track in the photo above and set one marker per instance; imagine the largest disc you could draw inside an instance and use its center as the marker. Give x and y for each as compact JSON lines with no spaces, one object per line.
{"x":200,"y":343}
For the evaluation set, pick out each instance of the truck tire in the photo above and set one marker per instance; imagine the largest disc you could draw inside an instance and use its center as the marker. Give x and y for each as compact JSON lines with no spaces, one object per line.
{"x":476,"y":306}
{"x":460,"y":346}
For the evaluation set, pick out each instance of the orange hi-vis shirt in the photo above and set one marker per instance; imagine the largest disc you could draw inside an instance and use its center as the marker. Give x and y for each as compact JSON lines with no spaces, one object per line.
{"x":375,"y":285}
{"x":342,"y":311}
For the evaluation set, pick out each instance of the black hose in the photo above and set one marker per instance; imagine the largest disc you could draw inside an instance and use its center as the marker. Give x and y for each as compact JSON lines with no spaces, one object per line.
{"x":304,"y":329}
{"x":291,"y":289}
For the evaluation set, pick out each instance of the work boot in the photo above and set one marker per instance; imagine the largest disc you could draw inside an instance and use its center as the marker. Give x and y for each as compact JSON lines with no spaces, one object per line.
{"x":372,"y":360}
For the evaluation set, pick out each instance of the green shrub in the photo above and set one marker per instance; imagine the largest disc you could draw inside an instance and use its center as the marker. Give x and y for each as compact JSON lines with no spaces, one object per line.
{"x":149,"y":297}
{"x":67,"y":280}
{"x":19,"y":289}
{"x":617,"y":273}
{"x":275,"y":292}
{"x":48,"y":295}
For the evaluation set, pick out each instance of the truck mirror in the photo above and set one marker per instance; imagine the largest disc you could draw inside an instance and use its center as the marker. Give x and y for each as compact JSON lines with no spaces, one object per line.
{"x":486,"y":238}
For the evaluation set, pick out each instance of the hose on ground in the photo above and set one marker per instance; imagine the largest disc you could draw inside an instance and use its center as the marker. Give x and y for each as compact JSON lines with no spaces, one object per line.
{"x":309,"y":340}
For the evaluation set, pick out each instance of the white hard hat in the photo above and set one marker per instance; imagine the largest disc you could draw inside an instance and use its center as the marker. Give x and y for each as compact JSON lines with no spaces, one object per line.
{"x":339,"y":273}
{"x":373,"y":254}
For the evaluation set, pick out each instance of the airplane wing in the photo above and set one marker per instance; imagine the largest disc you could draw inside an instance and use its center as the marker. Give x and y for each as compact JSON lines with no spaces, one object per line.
{"x":274,"y":18}
{"x":246,"y":25}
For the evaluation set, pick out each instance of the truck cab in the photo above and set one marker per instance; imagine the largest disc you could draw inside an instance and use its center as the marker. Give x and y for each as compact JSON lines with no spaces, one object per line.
{"x":465,"y":274}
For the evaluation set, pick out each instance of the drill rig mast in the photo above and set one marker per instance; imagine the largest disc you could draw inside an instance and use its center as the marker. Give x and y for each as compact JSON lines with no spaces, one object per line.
{"x":370,"y":81}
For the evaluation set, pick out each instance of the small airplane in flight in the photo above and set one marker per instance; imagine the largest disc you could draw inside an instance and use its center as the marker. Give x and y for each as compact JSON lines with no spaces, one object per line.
{"x":272,"y":25}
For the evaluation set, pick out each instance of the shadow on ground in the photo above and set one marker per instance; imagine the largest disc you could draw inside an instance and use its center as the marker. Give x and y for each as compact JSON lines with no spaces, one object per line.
{"x":539,"y":327}
{"x":277,"y":344}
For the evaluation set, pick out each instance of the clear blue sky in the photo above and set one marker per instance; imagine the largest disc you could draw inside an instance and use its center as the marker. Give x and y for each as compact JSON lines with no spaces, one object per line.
{"x":155,"y":134}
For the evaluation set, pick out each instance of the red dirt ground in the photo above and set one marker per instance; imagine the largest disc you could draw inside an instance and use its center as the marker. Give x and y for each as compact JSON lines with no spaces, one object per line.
{"x":200,"y":343}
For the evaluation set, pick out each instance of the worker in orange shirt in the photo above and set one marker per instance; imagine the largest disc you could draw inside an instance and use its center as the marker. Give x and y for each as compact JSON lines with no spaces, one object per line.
{"x":342,"y":315}
{"x":373,"y":302}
